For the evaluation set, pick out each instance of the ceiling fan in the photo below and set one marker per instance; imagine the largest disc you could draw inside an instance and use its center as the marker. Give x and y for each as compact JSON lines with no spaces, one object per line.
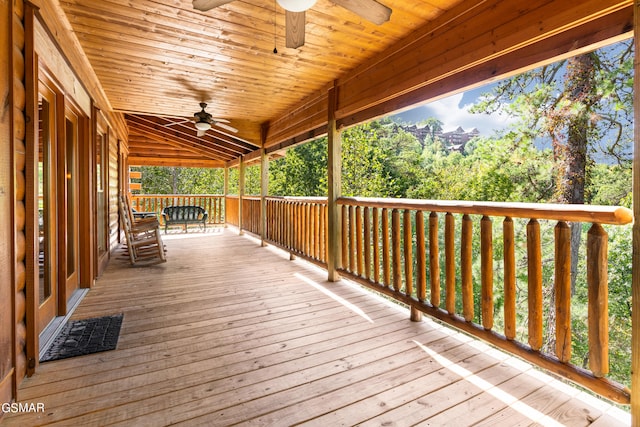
{"x":370,"y":10}
{"x":204,"y":121}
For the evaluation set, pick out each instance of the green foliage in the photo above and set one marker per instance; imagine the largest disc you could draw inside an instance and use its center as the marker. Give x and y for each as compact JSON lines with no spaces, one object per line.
{"x":174,"y":180}
{"x":302,"y":172}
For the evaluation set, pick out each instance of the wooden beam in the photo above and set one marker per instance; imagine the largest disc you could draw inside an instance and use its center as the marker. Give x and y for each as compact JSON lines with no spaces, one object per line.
{"x":334,"y":184}
{"x":635,"y":266}
{"x":187,"y":163}
{"x":264,"y":192}
{"x":240,"y":193}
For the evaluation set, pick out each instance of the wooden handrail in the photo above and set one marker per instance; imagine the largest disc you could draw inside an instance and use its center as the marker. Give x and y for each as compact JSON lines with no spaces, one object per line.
{"x":614,"y":215}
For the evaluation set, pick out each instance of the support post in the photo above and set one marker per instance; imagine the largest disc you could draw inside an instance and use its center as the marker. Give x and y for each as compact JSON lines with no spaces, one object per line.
{"x":264,"y":190}
{"x":635,"y":266}
{"x":334,"y":184}
{"x":225,"y":192}
{"x":240,"y":194}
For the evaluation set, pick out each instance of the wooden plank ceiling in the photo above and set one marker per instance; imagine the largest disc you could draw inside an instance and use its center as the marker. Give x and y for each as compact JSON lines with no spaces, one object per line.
{"x":162,"y":58}
{"x":158,"y":59}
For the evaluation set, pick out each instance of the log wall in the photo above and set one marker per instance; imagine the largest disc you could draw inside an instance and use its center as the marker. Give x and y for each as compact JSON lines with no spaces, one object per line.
{"x":19,"y":148}
{"x":6,"y":212}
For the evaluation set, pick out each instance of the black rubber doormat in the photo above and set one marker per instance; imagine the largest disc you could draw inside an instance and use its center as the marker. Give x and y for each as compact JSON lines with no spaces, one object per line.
{"x":86,"y":336}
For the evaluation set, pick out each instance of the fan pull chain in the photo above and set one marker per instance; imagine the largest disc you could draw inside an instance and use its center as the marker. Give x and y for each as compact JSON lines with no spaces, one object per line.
{"x":275,"y":28}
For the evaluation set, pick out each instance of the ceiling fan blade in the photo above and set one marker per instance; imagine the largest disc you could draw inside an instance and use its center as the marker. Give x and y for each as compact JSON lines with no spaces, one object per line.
{"x":370,"y":10}
{"x":294,"y":26}
{"x":215,"y":119}
{"x":205,"y":5}
{"x":227,"y":127}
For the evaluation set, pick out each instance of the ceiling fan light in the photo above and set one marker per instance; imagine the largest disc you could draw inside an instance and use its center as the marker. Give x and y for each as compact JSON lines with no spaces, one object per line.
{"x":203,"y":126}
{"x":296,"y":5}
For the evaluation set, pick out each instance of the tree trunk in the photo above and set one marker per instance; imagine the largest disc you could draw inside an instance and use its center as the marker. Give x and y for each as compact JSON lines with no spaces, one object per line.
{"x":579,"y":92}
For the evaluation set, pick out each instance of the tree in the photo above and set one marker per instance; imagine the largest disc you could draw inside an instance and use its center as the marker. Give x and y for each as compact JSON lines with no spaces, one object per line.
{"x":301,"y":172}
{"x":569,"y":103}
{"x":573,"y":105}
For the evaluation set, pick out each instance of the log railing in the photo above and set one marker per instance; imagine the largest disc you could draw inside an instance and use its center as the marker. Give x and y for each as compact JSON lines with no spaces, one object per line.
{"x":438,"y":257}
{"x":213,"y":204}
{"x":251,"y":214}
{"x":447,"y":258}
{"x":232,"y":210}
{"x":406,"y":249}
{"x":298,"y":225}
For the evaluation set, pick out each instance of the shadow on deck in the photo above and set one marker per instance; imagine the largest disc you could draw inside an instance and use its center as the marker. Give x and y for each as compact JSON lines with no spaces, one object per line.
{"x":227,"y":332}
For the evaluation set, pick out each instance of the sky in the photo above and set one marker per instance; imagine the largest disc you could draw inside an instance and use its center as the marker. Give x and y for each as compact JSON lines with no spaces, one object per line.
{"x":453,"y":111}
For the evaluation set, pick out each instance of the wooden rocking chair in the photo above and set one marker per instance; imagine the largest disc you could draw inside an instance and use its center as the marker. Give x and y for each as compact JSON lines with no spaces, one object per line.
{"x":144,"y":243}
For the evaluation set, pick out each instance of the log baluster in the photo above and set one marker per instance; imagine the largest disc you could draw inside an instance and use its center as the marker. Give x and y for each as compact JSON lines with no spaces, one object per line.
{"x":359,"y":242}
{"x":407,"y":252}
{"x":352,"y":239}
{"x":597,"y":282}
{"x":376,"y":244}
{"x":319,"y":234}
{"x":395,"y":253}
{"x":367,"y":243}
{"x":421,"y":267}
{"x":509,"y":279}
{"x":434,"y":259}
{"x":450,"y":263}
{"x":386,"y":248}
{"x":486,"y":269}
{"x":534,"y":269}
{"x":563,"y":290}
{"x":345,"y":236}
{"x":466,"y":254}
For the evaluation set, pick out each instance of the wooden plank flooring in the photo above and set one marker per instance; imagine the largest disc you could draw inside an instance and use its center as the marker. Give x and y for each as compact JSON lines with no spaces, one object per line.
{"x":227,"y":332}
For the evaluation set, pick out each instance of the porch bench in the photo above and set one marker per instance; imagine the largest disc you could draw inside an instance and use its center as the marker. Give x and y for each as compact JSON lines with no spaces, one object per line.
{"x":184,"y":215}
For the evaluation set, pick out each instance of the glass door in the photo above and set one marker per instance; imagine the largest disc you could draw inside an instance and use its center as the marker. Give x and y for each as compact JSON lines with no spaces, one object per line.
{"x":69,"y":205}
{"x":47,"y":224}
{"x":101,"y":198}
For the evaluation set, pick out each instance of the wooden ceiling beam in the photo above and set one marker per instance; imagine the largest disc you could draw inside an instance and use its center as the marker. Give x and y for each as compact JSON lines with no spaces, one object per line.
{"x":188,"y":163}
{"x":179,"y":137}
{"x":193,"y":147}
{"x":445,"y":56}
{"x":214,"y":135}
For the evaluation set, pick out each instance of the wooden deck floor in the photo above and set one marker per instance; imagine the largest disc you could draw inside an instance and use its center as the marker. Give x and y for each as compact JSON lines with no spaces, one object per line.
{"x":227,"y":332}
